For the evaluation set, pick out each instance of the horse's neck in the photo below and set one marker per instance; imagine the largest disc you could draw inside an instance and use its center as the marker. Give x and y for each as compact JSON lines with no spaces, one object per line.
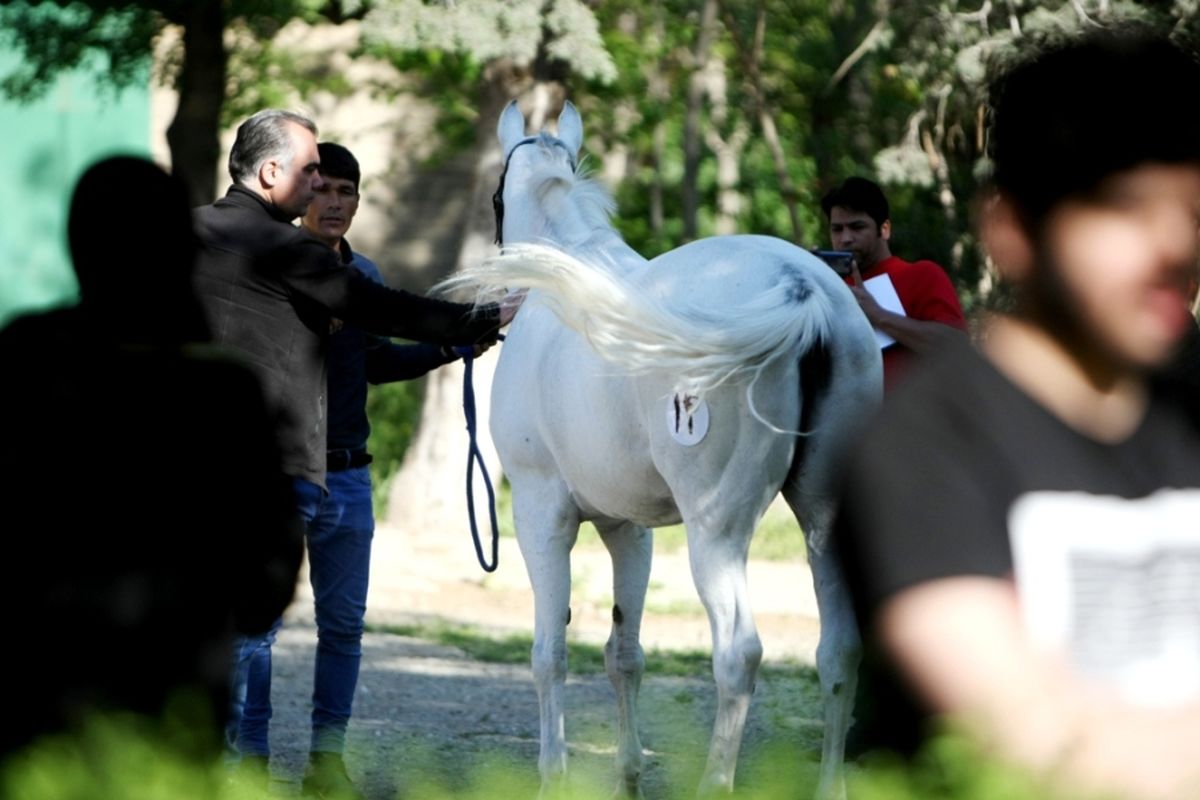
{"x":584,"y":238}
{"x":606,"y":246}
{"x":575,"y":219}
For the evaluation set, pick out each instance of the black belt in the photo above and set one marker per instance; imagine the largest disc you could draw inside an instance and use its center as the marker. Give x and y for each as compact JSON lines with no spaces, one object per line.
{"x":338,"y":460}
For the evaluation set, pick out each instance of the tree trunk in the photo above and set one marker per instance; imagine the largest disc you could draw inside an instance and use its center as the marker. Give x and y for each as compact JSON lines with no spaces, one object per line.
{"x":193,"y":135}
{"x":750,"y":52}
{"x":691,"y":124}
{"x":429,"y":491}
{"x":729,"y":175}
{"x":787,"y":189}
{"x":839,"y":106}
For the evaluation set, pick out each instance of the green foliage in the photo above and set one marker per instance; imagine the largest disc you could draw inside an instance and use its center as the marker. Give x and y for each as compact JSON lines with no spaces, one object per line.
{"x":889,"y":91}
{"x":585,"y":659}
{"x":949,"y":767}
{"x":135,"y":759}
{"x":394,"y":410}
{"x":55,"y":40}
{"x":893,"y":91}
{"x":264,"y":75}
{"x":117,"y":756}
{"x":121,"y":35}
{"x":450,"y":80}
{"x":494,"y":30}
{"x":447,"y":49}
{"x":934,"y":149}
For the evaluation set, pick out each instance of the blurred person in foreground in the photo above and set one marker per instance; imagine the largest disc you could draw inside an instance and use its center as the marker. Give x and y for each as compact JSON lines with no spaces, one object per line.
{"x":339,"y":535}
{"x":1042,"y":594}
{"x":138,"y":460}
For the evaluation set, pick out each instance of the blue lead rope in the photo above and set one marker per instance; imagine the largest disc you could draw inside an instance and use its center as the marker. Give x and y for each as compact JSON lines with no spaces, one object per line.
{"x":475,"y":457}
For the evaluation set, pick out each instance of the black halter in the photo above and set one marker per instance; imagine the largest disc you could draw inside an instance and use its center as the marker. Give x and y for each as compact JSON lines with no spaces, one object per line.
{"x":498,"y":197}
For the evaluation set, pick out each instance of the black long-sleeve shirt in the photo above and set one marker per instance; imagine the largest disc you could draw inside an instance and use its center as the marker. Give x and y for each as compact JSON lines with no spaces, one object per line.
{"x":357,"y":358}
{"x":269,"y":290}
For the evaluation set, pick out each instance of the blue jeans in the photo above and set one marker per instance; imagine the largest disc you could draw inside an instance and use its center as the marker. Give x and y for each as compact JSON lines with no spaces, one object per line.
{"x":339,"y":528}
{"x":339,"y":565}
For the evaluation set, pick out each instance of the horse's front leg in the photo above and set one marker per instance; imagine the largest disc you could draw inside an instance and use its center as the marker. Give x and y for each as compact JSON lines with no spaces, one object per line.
{"x":717,"y":553}
{"x":630,"y":547}
{"x":547,"y":526}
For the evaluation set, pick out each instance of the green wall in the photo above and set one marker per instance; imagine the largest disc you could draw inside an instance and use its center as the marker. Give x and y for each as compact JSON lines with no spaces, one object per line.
{"x":47,"y":145}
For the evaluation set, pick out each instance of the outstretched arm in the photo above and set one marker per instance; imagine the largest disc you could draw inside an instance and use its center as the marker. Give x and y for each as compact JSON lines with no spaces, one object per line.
{"x":962,"y":646}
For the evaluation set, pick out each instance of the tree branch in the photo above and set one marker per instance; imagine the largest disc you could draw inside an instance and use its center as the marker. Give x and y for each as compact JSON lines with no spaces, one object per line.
{"x":864,"y":47}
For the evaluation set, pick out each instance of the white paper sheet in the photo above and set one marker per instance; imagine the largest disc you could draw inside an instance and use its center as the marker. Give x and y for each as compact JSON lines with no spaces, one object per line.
{"x":884,"y":292}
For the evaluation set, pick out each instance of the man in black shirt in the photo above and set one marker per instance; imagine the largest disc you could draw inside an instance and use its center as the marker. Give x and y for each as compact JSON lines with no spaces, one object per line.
{"x":999,"y":486}
{"x":269,"y":291}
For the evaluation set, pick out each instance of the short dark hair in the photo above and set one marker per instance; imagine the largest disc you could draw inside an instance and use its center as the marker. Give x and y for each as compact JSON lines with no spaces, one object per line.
{"x":858,"y":194}
{"x":338,"y":162}
{"x":260,"y":137}
{"x":1072,"y":114}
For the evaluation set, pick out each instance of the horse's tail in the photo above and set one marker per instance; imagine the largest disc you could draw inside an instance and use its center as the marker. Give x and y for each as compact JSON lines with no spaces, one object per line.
{"x":702,"y":347}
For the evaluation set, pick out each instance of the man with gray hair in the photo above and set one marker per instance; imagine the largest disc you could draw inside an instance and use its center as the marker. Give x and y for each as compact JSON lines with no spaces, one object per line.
{"x":269,"y":290}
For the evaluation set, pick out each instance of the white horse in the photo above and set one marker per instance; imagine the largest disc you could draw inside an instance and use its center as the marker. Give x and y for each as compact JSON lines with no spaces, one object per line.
{"x":693,"y":387}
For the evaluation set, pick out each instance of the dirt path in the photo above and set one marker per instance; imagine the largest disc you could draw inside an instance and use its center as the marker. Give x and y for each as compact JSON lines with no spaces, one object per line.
{"x":424,"y":708}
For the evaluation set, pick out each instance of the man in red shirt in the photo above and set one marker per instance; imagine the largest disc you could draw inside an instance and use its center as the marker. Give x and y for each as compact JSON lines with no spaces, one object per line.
{"x":859,"y":221}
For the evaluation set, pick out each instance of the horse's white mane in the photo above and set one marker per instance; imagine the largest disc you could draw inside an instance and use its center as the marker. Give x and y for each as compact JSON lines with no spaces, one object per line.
{"x":585,"y":200}
{"x":594,"y":201}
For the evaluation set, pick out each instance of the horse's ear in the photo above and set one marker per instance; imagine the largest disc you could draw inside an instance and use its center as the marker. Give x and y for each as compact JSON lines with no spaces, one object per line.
{"x":511,"y":128}
{"x":570,"y":128}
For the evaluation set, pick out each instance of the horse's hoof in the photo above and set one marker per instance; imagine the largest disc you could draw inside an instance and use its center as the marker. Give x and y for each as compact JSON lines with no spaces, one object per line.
{"x":715,"y":785}
{"x":628,"y":790}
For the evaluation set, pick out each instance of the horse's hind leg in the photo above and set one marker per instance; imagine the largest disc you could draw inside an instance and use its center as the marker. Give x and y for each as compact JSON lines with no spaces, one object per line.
{"x":547,"y":526}
{"x":840,"y":647}
{"x":717,"y":553}
{"x":630,"y":547}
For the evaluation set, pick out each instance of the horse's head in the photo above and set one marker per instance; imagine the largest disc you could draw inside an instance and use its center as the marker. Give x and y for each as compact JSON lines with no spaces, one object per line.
{"x":539,"y":171}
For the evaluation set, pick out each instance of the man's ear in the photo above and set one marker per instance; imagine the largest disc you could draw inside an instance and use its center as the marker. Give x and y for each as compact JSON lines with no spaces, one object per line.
{"x":885,"y":230}
{"x":1005,"y":237}
{"x":268,"y":173}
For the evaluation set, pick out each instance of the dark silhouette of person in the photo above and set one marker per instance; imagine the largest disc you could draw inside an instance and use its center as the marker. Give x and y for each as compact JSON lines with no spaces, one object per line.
{"x":143,"y":484}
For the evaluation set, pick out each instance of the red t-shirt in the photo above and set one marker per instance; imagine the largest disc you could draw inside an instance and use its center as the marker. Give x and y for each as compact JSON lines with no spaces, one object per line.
{"x":926,"y":293}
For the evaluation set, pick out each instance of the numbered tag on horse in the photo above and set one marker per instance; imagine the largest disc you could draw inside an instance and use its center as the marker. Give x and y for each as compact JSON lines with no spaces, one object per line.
{"x":687,"y":419}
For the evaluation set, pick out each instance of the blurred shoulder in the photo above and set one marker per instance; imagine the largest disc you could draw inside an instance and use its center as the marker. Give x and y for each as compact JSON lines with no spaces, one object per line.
{"x":950,"y":376}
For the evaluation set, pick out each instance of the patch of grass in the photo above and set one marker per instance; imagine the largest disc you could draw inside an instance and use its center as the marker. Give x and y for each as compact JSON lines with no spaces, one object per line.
{"x":585,"y":659}
{"x":495,"y":649}
{"x":791,"y":669}
{"x":777,"y":537}
{"x":677,"y":608}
